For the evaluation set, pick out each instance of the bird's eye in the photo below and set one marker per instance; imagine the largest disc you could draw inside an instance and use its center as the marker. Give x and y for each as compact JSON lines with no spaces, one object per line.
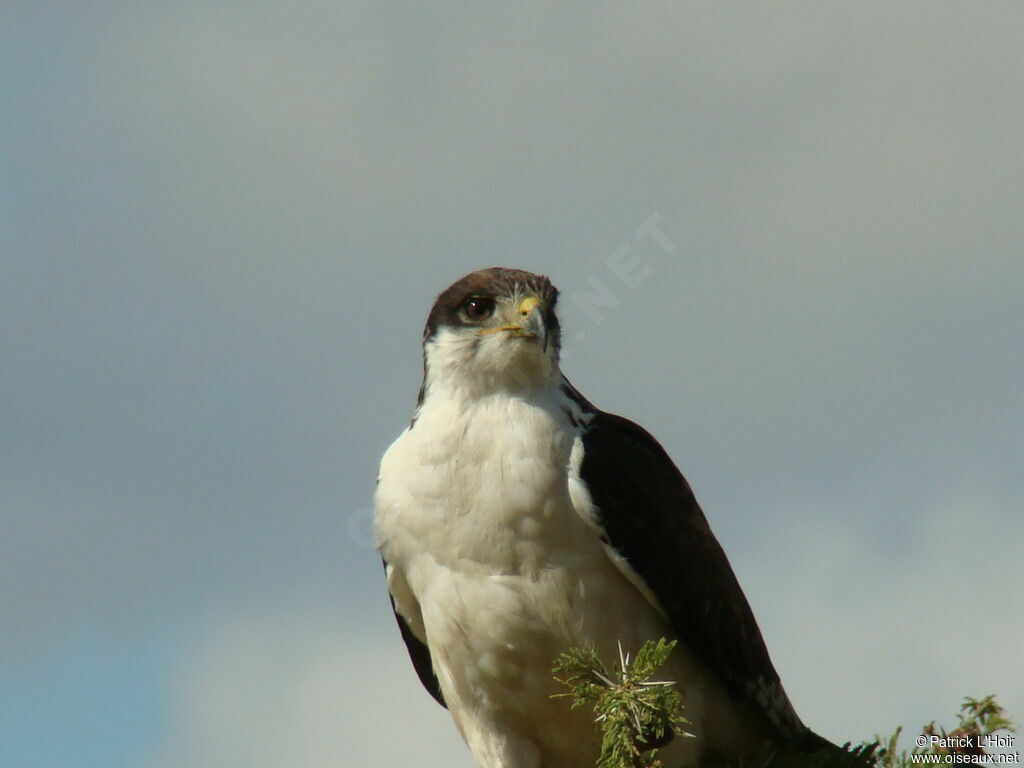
{"x":477,"y":309}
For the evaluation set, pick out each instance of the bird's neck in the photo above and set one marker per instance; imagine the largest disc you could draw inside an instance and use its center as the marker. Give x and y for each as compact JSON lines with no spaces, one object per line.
{"x":470,"y":391}
{"x":447,"y":375}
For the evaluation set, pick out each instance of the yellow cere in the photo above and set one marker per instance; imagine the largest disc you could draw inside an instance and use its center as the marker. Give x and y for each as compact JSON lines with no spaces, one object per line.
{"x":528,"y":304}
{"x":525,"y":308}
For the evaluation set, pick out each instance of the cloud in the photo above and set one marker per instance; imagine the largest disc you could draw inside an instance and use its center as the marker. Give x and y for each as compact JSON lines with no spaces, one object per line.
{"x":865,"y":640}
{"x":302,"y":688}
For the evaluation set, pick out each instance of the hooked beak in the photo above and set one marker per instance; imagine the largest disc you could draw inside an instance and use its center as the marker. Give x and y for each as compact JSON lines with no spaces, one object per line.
{"x":531,"y":324}
{"x":536,"y":323}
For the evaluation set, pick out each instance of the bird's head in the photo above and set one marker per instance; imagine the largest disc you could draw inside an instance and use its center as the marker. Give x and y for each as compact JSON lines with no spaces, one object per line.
{"x":493,"y":330}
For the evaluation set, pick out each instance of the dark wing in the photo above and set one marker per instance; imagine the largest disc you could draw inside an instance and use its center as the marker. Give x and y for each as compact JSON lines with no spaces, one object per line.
{"x":651,"y":518}
{"x":419,"y":653}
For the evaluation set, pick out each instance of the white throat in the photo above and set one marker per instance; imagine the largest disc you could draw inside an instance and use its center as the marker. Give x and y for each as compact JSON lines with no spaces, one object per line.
{"x":469,"y":366}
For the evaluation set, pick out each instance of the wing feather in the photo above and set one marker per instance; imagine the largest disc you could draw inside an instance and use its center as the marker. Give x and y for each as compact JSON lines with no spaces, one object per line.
{"x":652,"y":520}
{"x":419,"y":652}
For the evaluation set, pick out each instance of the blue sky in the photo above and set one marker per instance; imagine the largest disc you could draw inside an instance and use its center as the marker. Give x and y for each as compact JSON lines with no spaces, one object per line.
{"x":97,"y":701}
{"x":222,"y":226}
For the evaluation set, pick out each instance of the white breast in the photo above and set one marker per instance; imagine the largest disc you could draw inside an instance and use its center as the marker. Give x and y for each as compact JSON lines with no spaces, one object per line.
{"x":496,"y":571}
{"x":478,"y":482}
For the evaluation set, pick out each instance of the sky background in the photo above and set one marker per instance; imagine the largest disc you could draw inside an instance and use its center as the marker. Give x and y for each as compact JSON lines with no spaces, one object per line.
{"x":222,"y":225}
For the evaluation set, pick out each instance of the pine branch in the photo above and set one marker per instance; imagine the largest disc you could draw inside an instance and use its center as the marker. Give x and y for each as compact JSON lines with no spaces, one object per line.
{"x":635,"y":714}
{"x":978,"y":720}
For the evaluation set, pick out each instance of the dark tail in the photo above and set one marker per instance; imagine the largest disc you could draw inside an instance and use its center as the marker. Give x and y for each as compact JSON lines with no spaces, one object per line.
{"x":818,"y":752}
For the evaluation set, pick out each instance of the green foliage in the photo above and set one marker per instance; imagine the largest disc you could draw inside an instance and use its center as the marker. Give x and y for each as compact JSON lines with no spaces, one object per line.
{"x":635,"y":714}
{"x":978,"y":719}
